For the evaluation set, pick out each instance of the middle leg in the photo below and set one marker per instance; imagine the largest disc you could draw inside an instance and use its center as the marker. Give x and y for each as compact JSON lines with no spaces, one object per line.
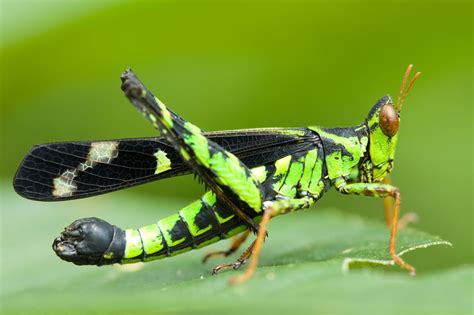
{"x":239,"y":263}
{"x":272,"y":209}
{"x":237,"y":241}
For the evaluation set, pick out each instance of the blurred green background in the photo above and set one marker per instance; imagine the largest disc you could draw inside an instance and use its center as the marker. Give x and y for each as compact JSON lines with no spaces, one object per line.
{"x":242,"y":64}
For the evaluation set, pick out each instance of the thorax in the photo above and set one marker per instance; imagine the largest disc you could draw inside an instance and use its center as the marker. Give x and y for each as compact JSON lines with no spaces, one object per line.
{"x":345,"y":149}
{"x":296,"y":175}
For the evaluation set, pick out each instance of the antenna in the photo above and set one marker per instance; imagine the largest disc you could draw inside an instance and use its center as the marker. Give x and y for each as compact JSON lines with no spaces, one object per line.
{"x":404,"y":92}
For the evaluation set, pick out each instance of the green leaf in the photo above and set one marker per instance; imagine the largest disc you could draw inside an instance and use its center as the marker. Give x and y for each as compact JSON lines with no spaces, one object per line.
{"x":307,"y":266}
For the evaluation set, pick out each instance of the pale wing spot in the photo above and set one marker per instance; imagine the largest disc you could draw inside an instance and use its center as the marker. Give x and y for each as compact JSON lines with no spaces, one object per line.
{"x":64,"y":185}
{"x":103,"y":152}
{"x":99,"y":152}
{"x":163,"y":163}
{"x":84,"y":166}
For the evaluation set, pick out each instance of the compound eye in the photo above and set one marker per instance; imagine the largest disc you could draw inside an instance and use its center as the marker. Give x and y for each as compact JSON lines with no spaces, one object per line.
{"x":388,"y":120}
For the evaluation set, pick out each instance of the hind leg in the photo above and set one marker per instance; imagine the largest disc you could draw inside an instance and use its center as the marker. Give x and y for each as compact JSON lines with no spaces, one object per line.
{"x":231,"y":181}
{"x":273,"y":209}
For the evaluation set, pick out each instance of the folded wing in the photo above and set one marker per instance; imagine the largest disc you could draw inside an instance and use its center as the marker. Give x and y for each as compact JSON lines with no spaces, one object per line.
{"x":71,"y":170}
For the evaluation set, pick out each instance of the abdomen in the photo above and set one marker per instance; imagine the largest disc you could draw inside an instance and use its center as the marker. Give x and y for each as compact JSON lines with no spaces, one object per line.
{"x":199,"y":224}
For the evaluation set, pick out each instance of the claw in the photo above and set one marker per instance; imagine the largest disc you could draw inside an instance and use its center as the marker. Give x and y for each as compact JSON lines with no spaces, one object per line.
{"x":236,"y":265}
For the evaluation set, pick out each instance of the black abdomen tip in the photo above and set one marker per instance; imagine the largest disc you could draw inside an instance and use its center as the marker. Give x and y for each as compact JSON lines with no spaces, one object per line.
{"x":90,"y":241}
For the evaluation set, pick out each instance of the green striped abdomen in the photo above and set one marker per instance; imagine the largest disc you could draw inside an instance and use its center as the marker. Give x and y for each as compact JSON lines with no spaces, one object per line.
{"x":206,"y":221}
{"x":199,"y":224}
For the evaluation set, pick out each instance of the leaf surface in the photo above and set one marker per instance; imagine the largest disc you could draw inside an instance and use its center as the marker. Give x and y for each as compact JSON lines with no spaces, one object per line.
{"x":317,"y":261}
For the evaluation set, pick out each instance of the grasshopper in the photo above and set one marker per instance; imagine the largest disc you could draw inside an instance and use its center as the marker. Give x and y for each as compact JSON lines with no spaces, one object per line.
{"x":252,"y":175}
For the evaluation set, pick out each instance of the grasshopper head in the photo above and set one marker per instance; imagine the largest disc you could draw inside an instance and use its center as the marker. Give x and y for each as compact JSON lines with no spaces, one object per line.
{"x":383,"y":122}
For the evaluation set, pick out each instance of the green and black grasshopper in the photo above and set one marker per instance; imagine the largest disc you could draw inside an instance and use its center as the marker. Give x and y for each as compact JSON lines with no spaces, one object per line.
{"x":253,"y":175}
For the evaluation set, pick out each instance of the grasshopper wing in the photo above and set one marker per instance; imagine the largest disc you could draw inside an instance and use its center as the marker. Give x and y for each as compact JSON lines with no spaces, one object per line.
{"x":70,"y":170}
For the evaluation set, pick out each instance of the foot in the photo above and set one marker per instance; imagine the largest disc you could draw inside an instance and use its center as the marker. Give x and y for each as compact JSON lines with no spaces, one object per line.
{"x":404,"y":265}
{"x":235,"y":265}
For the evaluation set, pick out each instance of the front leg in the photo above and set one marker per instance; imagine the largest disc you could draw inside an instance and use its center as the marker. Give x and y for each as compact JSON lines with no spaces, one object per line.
{"x":406,"y":219}
{"x":380,"y":190}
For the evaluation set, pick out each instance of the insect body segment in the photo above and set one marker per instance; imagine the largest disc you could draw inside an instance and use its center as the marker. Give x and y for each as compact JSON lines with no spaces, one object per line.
{"x":343,"y":149}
